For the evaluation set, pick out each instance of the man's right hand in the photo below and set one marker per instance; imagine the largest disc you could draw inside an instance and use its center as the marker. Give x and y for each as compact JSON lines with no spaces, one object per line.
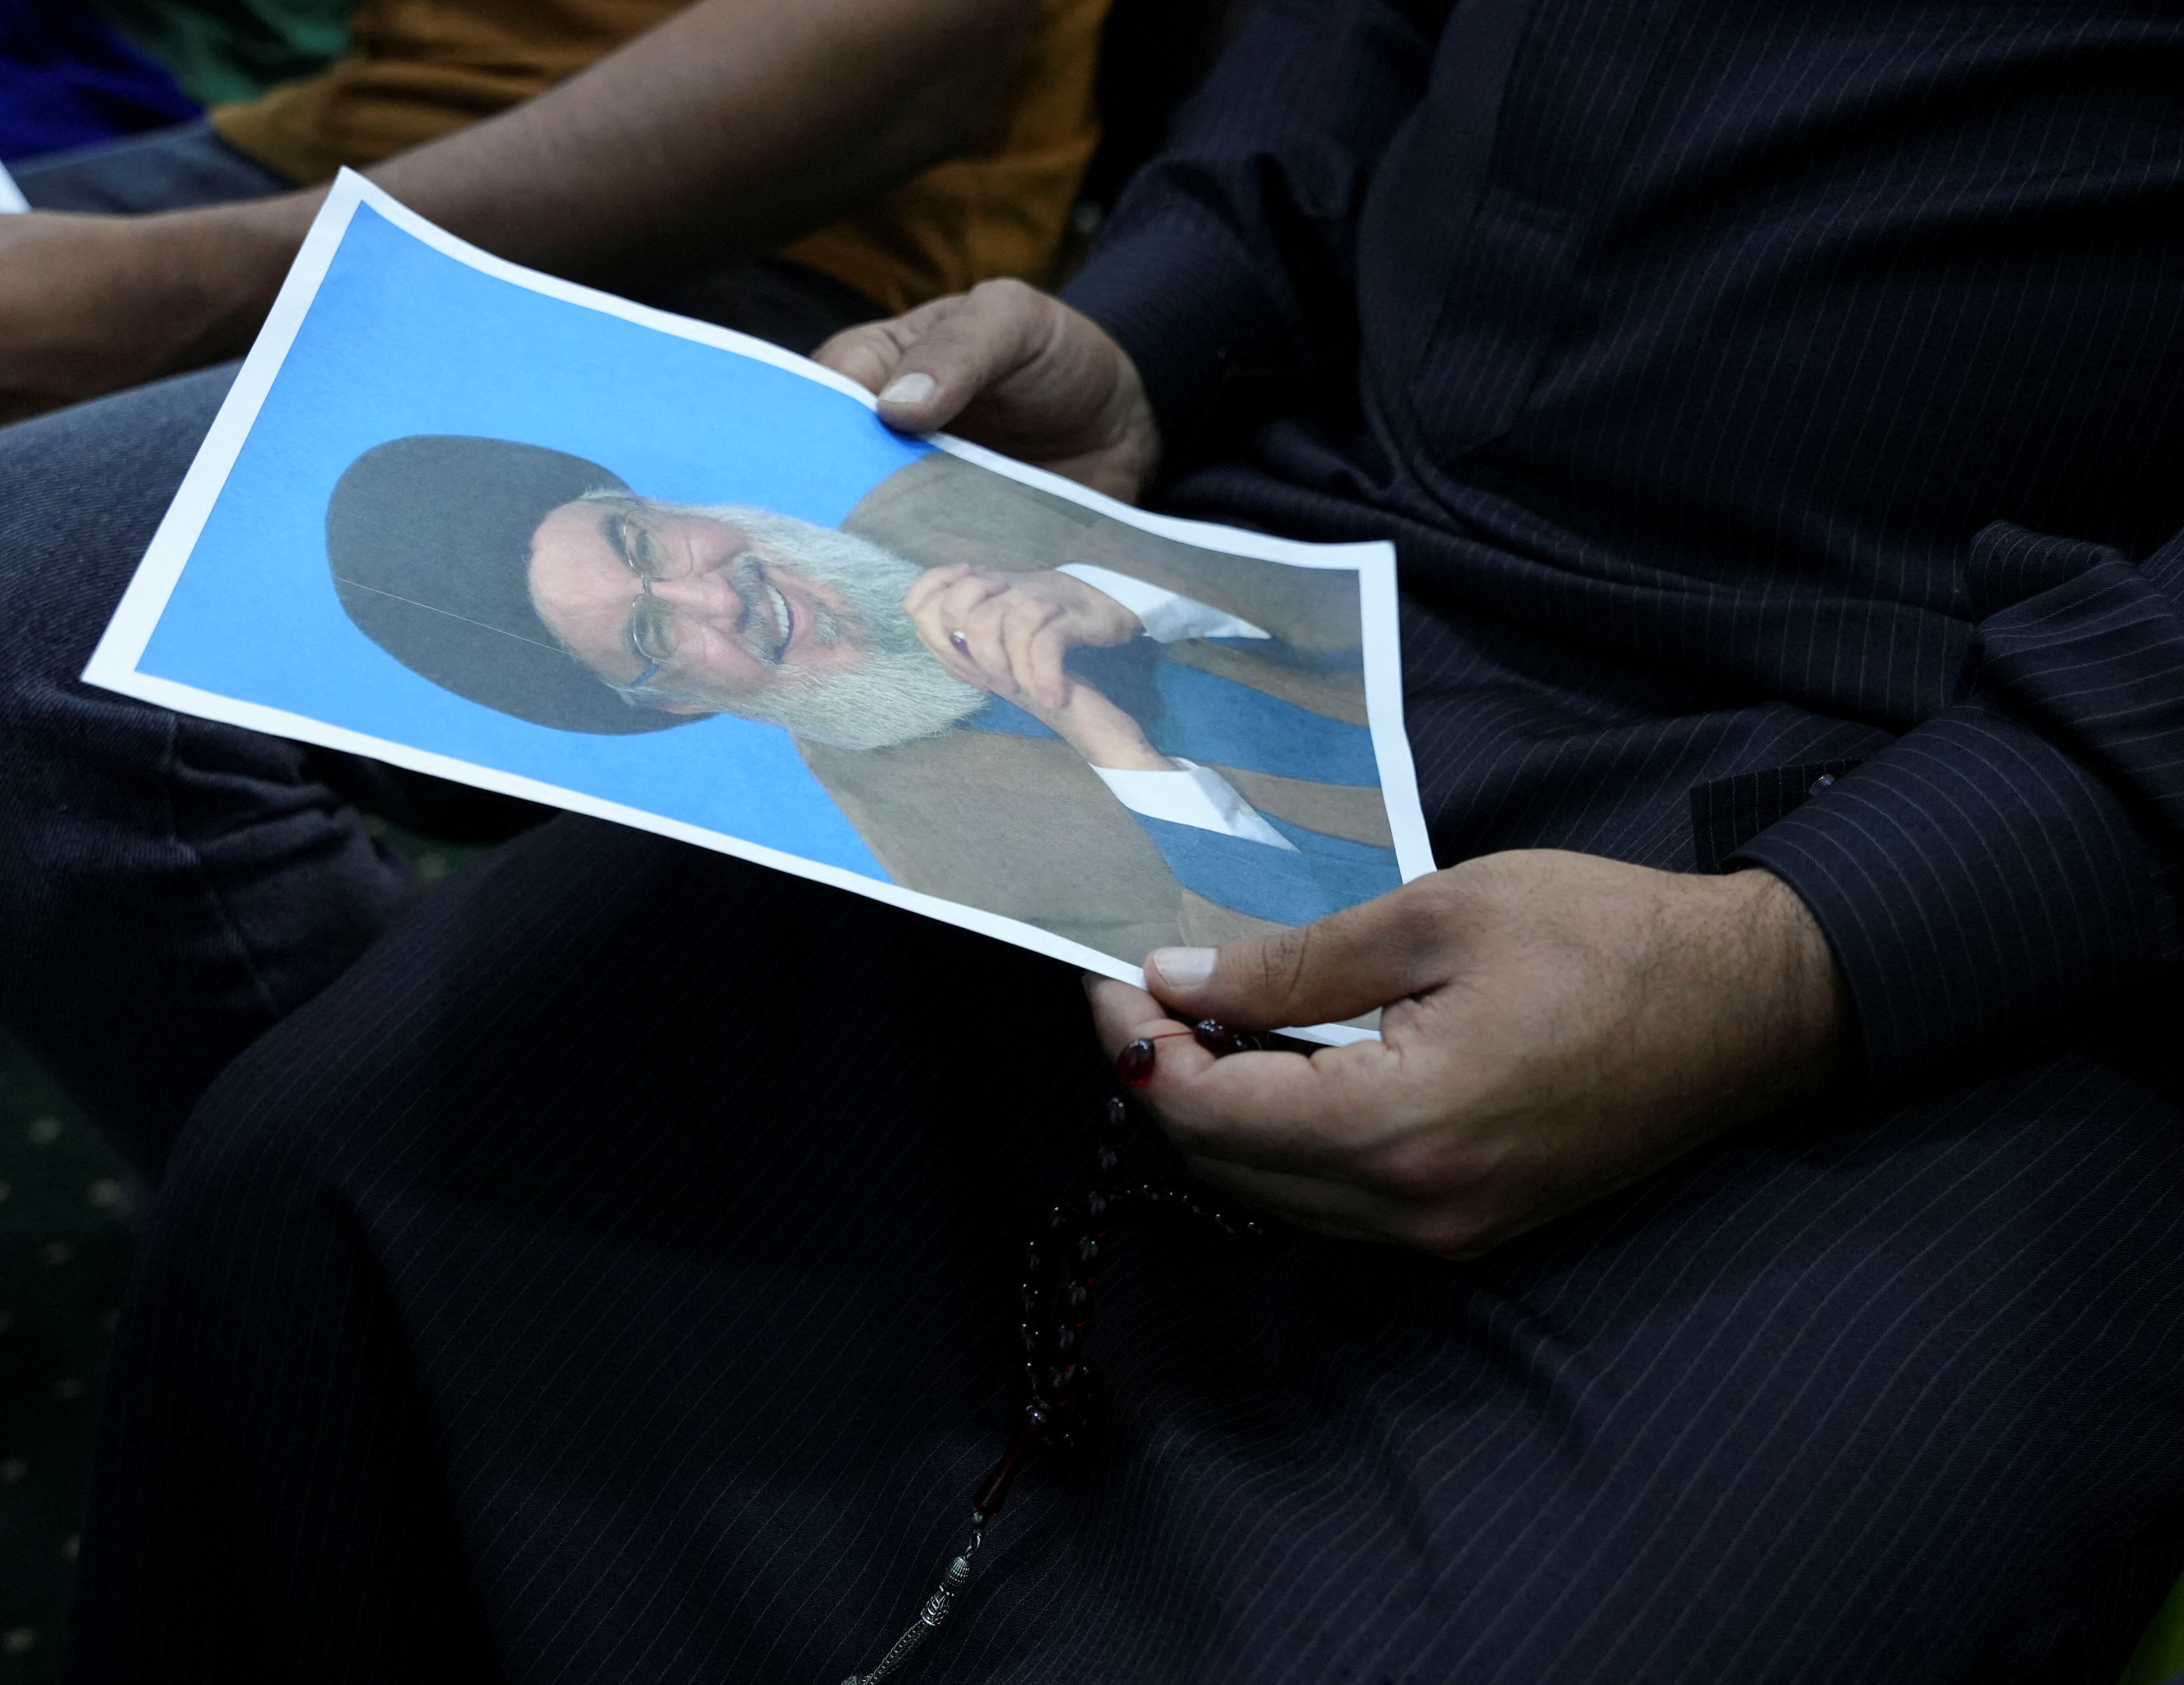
{"x":1009,"y":632}
{"x":90,"y":304}
{"x":1014,"y":368}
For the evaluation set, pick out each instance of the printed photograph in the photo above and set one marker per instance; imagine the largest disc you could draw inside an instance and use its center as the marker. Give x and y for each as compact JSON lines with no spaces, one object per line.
{"x":1017,"y":702}
{"x":501,"y":528}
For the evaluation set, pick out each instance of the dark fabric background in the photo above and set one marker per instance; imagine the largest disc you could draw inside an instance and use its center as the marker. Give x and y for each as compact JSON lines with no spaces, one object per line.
{"x":68,"y":81}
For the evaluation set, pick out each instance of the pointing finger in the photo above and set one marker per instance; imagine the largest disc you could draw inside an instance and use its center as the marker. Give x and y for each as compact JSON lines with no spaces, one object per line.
{"x":929,"y":586}
{"x":1020,"y":628}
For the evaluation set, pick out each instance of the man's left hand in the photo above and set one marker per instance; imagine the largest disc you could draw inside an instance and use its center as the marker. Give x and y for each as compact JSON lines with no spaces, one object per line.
{"x":1555,"y":1025}
{"x":1008,"y":632}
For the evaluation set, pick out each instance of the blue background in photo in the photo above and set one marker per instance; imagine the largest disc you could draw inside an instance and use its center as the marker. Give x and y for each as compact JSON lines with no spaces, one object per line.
{"x":401,"y":339}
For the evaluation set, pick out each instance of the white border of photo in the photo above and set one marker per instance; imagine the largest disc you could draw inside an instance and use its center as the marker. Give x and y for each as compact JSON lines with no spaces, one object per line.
{"x":113,"y":663}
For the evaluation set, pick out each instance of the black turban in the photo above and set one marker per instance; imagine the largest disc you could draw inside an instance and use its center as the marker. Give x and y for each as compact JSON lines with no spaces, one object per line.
{"x":430,"y":541}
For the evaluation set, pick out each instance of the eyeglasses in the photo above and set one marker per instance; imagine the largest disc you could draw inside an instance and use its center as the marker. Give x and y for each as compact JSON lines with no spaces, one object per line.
{"x":653,"y":630}
{"x":652,"y":627}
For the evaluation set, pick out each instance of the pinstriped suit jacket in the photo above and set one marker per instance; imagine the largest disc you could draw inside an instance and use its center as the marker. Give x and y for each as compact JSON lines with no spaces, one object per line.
{"x":1716,"y":369}
{"x":1689,"y":350}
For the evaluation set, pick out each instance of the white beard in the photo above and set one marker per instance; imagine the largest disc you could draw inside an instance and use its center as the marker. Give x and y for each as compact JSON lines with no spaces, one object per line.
{"x":898,"y":694}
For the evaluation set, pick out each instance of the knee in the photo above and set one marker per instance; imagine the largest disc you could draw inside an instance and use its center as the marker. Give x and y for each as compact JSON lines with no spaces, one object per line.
{"x":81,"y":492}
{"x":292,"y":1116}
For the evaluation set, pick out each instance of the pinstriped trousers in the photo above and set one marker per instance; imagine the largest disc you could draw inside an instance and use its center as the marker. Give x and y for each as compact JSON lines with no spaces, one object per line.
{"x":611,"y":1279}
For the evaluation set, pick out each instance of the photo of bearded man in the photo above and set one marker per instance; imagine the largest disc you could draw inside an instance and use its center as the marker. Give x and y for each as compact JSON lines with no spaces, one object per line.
{"x":1019,"y":703}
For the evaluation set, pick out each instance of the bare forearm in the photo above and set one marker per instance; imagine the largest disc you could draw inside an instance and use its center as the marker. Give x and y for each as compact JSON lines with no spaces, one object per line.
{"x":734,"y":125}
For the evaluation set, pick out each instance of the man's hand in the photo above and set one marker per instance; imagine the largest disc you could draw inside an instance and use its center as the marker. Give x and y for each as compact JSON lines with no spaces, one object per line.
{"x":1555,"y":1025}
{"x":1015,"y":368}
{"x":1008,"y":632}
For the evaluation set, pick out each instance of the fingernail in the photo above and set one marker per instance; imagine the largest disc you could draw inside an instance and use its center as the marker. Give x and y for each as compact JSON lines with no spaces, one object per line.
{"x":1182,"y":968}
{"x":909,"y":389}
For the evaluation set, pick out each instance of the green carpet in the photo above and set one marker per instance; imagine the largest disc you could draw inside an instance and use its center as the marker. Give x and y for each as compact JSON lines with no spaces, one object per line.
{"x":65,"y":1205}
{"x":64,"y":1240}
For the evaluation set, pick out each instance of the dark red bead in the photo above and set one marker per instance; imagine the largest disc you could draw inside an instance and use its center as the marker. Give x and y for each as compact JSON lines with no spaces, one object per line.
{"x":1133,"y":1065}
{"x":1219,"y":1040}
{"x":994,"y":1491}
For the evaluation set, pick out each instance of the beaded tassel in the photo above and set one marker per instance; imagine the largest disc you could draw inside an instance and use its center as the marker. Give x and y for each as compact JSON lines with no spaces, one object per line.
{"x":936,"y":1609}
{"x":1065,"y":1394}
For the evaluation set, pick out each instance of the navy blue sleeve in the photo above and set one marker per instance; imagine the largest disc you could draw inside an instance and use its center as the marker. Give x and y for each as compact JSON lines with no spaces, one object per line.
{"x":1231,"y":253}
{"x":1324,"y":874}
{"x":2004,"y":864}
{"x":2017,"y":857}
